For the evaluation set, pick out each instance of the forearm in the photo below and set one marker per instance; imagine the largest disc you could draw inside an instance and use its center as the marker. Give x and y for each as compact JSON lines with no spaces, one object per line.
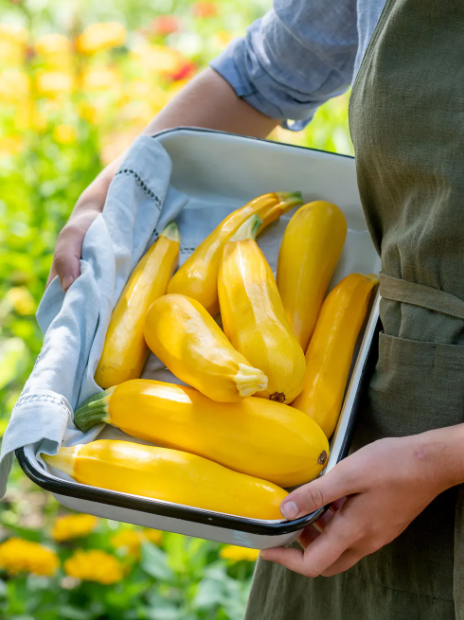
{"x":440,"y":455}
{"x":207,"y":101}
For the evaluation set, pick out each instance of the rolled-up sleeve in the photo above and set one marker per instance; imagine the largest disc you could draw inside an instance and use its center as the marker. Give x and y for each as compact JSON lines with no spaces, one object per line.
{"x":296,"y":57}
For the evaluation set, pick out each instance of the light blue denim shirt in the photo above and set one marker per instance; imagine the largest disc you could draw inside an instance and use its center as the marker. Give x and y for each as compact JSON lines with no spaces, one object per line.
{"x":299,"y":55}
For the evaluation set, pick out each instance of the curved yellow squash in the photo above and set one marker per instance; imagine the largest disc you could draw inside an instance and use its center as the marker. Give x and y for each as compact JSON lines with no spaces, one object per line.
{"x":330,"y":351}
{"x":169,"y":475}
{"x":197,"y":278}
{"x":253,"y":316}
{"x":254,"y":436}
{"x":311,"y":247}
{"x":125,"y":351}
{"x":191,"y":344}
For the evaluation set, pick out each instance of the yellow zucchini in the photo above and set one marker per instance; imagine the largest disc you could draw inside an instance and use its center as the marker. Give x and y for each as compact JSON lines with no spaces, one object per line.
{"x":186,"y":338}
{"x":169,"y":475}
{"x":331,"y":348}
{"x":253,"y":436}
{"x":125,"y":351}
{"x":253,"y":316}
{"x":197,"y":278}
{"x":311,"y":247}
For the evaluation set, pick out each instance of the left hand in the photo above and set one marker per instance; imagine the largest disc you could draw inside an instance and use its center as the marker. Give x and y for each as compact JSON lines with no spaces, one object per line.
{"x":375,"y":493}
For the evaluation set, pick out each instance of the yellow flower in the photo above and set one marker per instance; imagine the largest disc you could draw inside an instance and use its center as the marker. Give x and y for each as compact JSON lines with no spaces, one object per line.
{"x":12,"y":43}
{"x":236,"y":554}
{"x":73,"y":526}
{"x":38,"y":120}
{"x":52,"y":44}
{"x":54,"y":83}
{"x":14,"y":86}
{"x":17,"y":555}
{"x":88,"y":112}
{"x":13,"y":33}
{"x":158,"y":58}
{"x":64,"y":134}
{"x":94,"y":565}
{"x":223,"y":38}
{"x":99,"y":37}
{"x":10,"y":145}
{"x":100,"y":79}
{"x":154,"y":536}
{"x":131,"y":540}
{"x":21,"y":300}
{"x":55,"y":48}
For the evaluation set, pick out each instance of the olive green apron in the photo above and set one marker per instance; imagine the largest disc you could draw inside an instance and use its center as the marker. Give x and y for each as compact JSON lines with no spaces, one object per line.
{"x":407,"y":123}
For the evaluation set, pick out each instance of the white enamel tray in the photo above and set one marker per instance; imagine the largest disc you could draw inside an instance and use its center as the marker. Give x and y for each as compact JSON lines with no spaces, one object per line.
{"x":221,"y":172}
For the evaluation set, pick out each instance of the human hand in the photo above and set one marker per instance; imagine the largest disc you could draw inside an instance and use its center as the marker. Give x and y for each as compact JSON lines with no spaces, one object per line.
{"x":68,"y":249}
{"x":374,"y":495}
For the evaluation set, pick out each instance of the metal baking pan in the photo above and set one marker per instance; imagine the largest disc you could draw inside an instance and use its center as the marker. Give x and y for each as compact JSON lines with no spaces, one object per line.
{"x":220,"y":172}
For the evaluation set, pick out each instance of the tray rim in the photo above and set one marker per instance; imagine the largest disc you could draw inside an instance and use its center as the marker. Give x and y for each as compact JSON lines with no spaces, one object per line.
{"x":253,"y":138}
{"x":177,"y":511}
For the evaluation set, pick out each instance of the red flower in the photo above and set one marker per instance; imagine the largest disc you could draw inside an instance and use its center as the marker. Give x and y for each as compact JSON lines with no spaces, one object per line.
{"x":205,"y":9}
{"x":184,"y":72}
{"x":164,"y":25}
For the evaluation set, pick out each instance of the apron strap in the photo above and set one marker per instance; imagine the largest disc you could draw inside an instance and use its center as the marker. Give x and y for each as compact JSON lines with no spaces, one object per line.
{"x":406,"y":292}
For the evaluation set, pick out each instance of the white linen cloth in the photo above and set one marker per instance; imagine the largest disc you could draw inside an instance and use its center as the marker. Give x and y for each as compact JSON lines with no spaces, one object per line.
{"x":140,"y":203}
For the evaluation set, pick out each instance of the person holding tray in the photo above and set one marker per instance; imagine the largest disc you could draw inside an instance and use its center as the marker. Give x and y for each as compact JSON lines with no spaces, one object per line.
{"x":392,"y":545}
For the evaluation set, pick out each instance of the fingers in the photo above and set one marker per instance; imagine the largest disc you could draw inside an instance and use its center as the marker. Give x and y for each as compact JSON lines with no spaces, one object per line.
{"x":319,"y":554}
{"x":322,"y":522}
{"x":338,"y":546}
{"x":51,"y":275}
{"x":338,"y":504}
{"x":308,"y":536}
{"x":68,"y":248}
{"x":67,"y":254}
{"x":293,"y":559}
{"x":341,"y":481}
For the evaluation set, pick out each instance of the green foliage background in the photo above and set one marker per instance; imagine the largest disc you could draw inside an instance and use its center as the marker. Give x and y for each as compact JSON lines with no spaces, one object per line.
{"x":41,"y":176}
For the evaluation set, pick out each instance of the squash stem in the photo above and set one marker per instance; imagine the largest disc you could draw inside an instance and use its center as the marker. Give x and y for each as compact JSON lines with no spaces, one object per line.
{"x":171,"y":232}
{"x":250,"y":380}
{"x":249,"y":229}
{"x":93,"y":411}
{"x":288,"y":200}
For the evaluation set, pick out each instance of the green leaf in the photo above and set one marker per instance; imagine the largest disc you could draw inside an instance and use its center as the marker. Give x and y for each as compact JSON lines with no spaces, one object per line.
{"x":209,"y":594}
{"x":69,"y":612}
{"x":167,"y":612}
{"x":12,"y":353}
{"x":155,"y":562}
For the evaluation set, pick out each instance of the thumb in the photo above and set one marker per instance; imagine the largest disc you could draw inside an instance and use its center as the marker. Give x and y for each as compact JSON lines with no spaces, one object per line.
{"x":334,"y":485}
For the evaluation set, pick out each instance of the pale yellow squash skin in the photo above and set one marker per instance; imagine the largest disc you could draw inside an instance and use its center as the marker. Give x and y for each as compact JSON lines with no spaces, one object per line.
{"x":186,"y":338}
{"x":197,"y":277}
{"x":311,"y":247}
{"x":254,"y":318}
{"x":125,"y":351}
{"x":169,"y":475}
{"x":331,"y":348}
{"x":253,"y":436}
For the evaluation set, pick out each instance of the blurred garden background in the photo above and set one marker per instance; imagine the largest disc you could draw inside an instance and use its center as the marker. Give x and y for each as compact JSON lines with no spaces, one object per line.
{"x":78,"y":81}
